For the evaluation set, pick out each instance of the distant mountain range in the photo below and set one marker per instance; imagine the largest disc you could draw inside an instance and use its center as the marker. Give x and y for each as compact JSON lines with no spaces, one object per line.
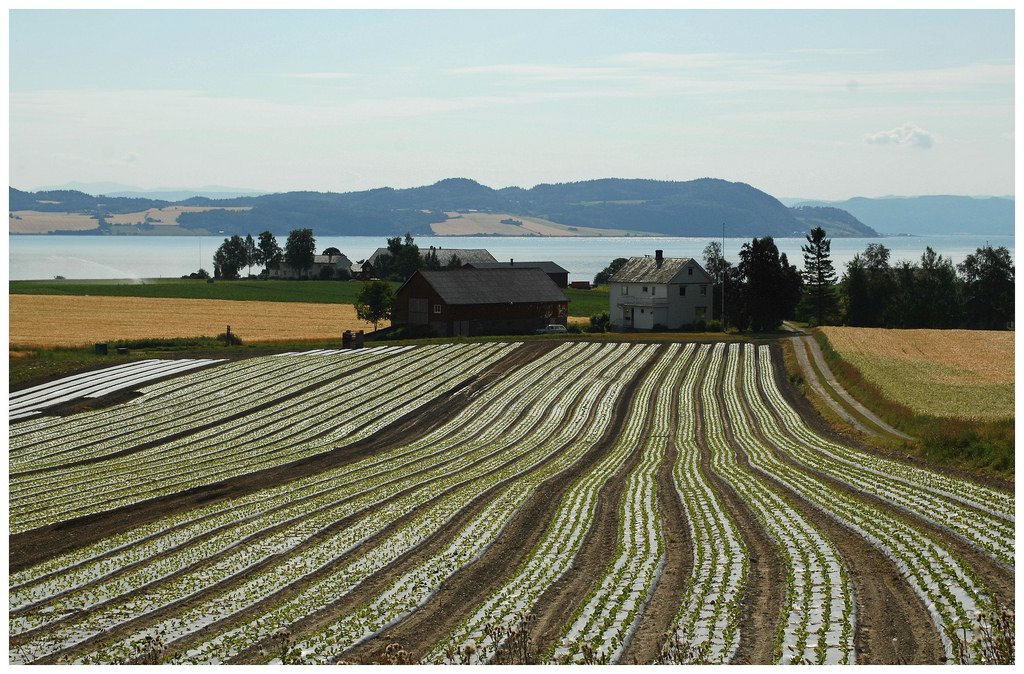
{"x":691,"y":208}
{"x":921,"y":216}
{"x":161,"y":193}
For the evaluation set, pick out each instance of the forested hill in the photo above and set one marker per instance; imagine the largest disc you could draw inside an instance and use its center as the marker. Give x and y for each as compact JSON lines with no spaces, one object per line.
{"x":691,"y":208}
{"x":930,"y":214}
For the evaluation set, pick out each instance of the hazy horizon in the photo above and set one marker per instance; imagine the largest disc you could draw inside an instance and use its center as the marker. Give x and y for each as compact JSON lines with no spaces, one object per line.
{"x":802,"y":104}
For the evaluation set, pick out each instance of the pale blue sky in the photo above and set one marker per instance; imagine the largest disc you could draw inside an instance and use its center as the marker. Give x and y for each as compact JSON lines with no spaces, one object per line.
{"x":816,"y":104}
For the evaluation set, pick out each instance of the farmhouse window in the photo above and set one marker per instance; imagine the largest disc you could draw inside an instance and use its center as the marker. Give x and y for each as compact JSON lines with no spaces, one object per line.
{"x":689,"y":271}
{"x":645,"y":288}
{"x":437,"y":308}
{"x":700,"y":312}
{"x":703,"y":290}
{"x":682,"y":291}
{"x":625,"y":290}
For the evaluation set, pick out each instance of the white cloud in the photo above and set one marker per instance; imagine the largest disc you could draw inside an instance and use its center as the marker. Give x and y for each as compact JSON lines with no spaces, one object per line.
{"x":909,"y":135}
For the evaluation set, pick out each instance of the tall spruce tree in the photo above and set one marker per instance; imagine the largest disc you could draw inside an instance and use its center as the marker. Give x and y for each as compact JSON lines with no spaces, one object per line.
{"x":819,"y":275}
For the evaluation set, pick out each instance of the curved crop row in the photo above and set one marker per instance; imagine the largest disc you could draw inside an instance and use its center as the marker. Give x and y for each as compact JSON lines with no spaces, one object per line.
{"x":551,"y":558}
{"x":983,"y":528}
{"x":415,"y":490}
{"x":707,"y":627}
{"x":482,"y":418}
{"x":951,"y":596}
{"x":817,"y":623}
{"x":415,"y":587}
{"x":271,"y":438}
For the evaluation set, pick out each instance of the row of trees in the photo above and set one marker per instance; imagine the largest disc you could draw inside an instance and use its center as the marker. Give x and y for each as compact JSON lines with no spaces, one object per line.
{"x":764,"y":288}
{"x":236,"y":253}
{"x":403,"y":259}
{"x":977,"y":293}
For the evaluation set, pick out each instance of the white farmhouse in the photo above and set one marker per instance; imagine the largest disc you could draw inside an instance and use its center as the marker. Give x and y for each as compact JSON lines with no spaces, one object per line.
{"x":663,"y":291}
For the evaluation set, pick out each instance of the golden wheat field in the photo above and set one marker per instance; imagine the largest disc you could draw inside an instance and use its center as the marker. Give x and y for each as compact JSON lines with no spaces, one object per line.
{"x":39,"y":222}
{"x":946,"y":373}
{"x":168,"y":215}
{"x":468,"y":224}
{"x":55,"y":320}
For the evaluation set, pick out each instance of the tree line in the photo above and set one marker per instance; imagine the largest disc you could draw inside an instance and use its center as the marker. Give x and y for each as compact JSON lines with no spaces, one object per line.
{"x":237,"y":253}
{"x":763,"y":288}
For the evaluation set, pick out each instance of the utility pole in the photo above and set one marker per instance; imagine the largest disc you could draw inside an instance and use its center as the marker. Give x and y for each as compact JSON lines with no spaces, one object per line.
{"x":724,"y":274}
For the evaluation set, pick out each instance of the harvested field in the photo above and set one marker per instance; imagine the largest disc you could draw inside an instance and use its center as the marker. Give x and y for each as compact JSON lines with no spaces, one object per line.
{"x":55,"y":320}
{"x":944,"y":373}
{"x":167,"y":215}
{"x":465,"y":496}
{"x":469,"y":224}
{"x":39,"y":222}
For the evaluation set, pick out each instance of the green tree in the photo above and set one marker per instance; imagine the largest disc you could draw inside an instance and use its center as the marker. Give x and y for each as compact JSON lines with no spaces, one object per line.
{"x":819,"y":275}
{"x":229,"y":258}
{"x":940,"y":297}
{"x":870,"y":289}
{"x":251,"y":253}
{"x":430,"y":261}
{"x":988,"y":288}
{"x":402,"y":259}
{"x":299,"y":250}
{"x":605,"y":275}
{"x":374,"y":302}
{"x":269,"y":252}
{"x":769,"y":286}
{"x":717,"y":268}
{"x":331,"y":251}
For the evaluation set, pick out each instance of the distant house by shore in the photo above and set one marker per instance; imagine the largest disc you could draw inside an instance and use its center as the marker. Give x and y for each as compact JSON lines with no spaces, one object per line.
{"x":324,"y":266}
{"x":446,"y":257}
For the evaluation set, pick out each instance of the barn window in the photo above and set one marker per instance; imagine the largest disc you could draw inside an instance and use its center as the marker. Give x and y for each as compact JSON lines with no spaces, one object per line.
{"x":703,"y":290}
{"x":682,"y":291}
{"x":689,"y":271}
{"x":437,"y":308}
{"x":645,"y":288}
{"x":625,"y":290}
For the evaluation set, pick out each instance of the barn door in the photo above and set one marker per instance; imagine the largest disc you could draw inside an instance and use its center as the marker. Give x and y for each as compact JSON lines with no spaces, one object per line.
{"x":417,"y":310}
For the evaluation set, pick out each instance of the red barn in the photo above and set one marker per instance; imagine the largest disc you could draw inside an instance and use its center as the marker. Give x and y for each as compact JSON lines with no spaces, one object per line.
{"x":464,"y":302}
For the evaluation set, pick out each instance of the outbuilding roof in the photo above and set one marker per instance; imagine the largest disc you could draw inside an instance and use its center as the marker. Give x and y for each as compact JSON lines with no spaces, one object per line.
{"x":647,"y":270}
{"x":493,"y":286}
{"x":444,"y":255}
{"x":546,"y":267}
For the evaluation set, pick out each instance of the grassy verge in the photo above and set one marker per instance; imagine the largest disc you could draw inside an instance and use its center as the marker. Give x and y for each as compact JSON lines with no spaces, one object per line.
{"x":266,"y":290}
{"x":586,"y":303}
{"x":984,"y":447}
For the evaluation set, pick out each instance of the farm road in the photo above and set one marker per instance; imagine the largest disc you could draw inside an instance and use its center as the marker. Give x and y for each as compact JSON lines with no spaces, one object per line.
{"x":803,"y":343}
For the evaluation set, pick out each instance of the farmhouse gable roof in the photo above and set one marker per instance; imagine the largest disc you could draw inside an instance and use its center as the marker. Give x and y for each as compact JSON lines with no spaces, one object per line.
{"x":493,"y":286}
{"x":667,"y":270}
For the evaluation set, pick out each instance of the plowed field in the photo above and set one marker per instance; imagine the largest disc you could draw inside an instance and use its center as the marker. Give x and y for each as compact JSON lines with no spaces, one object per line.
{"x":542,"y":502}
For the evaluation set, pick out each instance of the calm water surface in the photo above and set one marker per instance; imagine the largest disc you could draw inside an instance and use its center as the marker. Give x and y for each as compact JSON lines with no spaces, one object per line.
{"x":94,"y":257}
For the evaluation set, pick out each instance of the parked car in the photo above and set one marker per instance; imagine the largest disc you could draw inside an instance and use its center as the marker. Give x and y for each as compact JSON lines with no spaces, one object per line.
{"x":554,"y":328}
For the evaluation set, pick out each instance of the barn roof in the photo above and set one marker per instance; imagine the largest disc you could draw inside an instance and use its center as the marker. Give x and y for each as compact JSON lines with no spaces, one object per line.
{"x":444,"y":255}
{"x":546,"y":267}
{"x":647,"y":270}
{"x":493,"y":286}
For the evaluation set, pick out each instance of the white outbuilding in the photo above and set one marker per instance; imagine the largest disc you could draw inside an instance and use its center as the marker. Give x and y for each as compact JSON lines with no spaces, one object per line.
{"x":668,"y":292}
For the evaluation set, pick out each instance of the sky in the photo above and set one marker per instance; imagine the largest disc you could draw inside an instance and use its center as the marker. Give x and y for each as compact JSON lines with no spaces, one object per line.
{"x":799,"y":103}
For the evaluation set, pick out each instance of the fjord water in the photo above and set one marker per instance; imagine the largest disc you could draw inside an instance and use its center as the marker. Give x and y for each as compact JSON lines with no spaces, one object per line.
{"x":109,"y":257}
